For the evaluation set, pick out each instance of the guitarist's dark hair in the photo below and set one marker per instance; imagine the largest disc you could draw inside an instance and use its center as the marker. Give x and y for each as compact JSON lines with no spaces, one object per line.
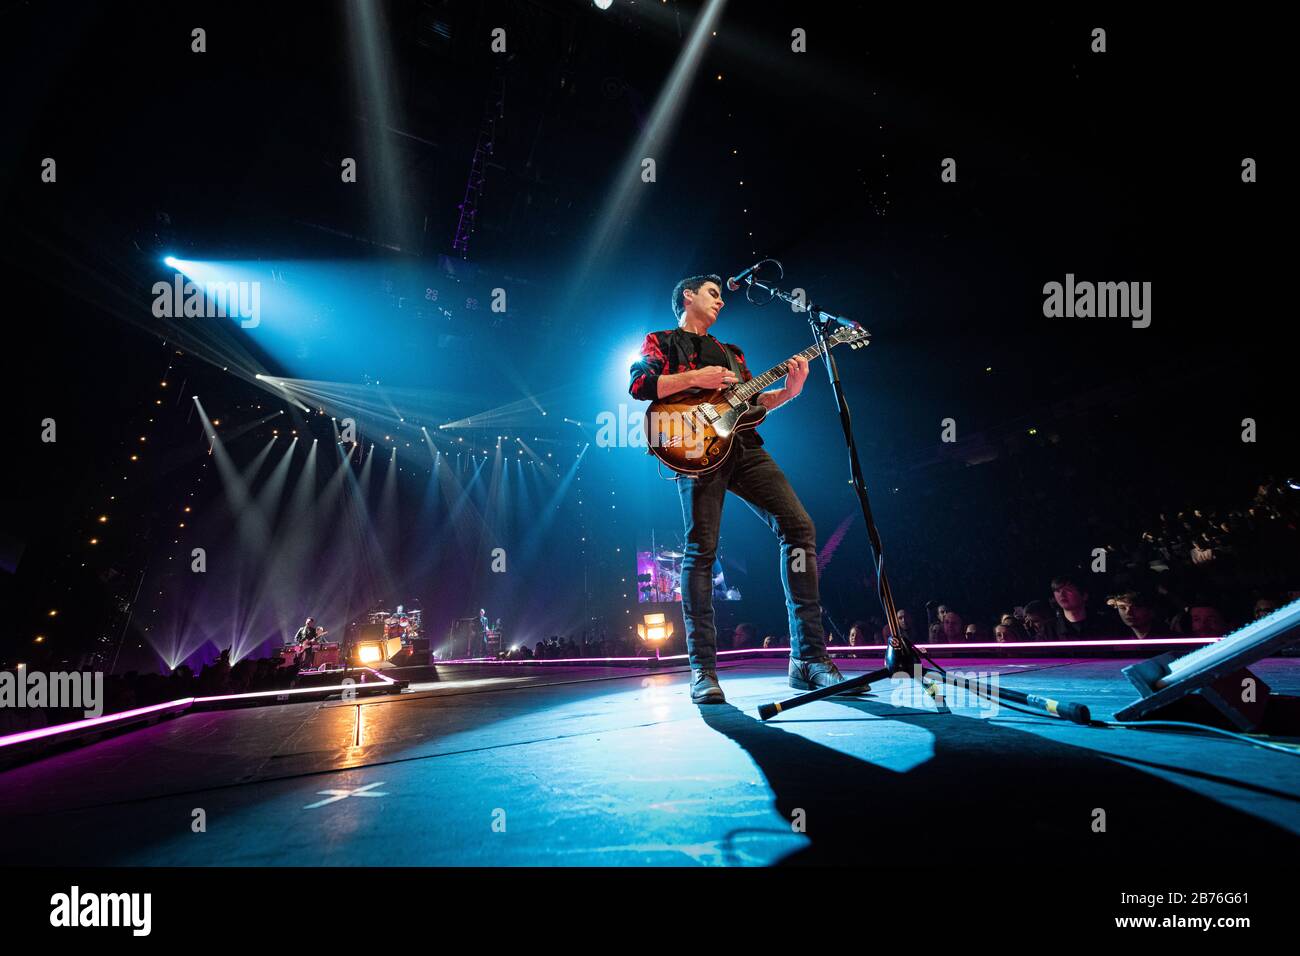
{"x":693,"y":283}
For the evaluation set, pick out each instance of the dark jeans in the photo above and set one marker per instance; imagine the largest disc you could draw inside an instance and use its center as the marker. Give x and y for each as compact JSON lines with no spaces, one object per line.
{"x":751,"y":474}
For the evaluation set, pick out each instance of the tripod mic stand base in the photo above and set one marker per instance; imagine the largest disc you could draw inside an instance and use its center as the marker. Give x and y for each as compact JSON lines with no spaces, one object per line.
{"x":900,"y":656}
{"x":768,"y":711}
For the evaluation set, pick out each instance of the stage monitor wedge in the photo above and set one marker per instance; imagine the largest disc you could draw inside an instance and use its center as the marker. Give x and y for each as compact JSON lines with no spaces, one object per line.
{"x":1216,"y":672}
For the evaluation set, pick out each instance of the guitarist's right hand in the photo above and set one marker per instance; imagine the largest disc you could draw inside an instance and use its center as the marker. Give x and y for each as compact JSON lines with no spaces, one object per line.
{"x":712,"y":377}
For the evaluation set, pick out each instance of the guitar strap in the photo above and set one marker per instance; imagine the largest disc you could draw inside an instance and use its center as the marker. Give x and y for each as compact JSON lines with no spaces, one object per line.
{"x":731,"y":360}
{"x":735,"y":370}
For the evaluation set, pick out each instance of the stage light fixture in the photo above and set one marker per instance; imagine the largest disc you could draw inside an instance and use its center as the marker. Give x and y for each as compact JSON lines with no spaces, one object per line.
{"x":375,"y":651}
{"x":654,"y":629}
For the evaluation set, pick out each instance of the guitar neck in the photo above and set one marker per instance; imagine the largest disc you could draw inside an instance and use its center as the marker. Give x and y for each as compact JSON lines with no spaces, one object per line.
{"x":748,"y":390}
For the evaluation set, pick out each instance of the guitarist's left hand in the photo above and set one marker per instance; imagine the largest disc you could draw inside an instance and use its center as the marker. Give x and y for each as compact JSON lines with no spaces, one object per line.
{"x":797,"y":375}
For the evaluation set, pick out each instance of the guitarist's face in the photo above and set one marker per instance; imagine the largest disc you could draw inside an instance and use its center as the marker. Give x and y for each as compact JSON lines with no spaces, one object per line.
{"x":704,"y":304}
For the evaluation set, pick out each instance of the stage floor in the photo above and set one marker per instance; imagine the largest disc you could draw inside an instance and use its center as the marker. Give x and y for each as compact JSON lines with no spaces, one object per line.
{"x":567,"y":766}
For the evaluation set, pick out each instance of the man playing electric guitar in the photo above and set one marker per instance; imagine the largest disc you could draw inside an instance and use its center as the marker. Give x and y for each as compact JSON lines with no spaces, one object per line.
{"x":307,"y":638}
{"x":687,"y":357}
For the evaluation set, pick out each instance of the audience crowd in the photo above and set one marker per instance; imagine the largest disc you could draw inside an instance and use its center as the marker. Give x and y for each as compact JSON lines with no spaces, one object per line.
{"x":1195,"y":573}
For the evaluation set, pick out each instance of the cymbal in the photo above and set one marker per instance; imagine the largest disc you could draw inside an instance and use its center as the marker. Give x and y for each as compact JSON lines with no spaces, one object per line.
{"x":670,"y":554}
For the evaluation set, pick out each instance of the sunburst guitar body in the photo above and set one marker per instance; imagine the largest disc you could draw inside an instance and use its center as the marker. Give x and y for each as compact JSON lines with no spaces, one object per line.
{"x":694,"y":432}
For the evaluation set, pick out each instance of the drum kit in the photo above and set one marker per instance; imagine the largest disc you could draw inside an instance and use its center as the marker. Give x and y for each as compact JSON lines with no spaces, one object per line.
{"x":399,"y":623}
{"x":664,"y":580}
{"x":660,"y":579}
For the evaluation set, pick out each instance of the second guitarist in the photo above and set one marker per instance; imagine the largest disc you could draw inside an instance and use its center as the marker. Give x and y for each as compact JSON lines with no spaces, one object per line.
{"x":688,"y":357}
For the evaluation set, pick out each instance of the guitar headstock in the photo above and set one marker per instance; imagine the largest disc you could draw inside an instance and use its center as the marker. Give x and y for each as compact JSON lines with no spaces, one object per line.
{"x":855,"y":337}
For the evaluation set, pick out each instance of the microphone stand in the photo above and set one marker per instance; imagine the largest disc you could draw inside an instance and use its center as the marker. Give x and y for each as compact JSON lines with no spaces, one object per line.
{"x":900,"y":653}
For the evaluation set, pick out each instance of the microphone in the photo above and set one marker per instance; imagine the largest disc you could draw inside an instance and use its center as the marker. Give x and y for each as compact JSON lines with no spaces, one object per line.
{"x":734,"y":282}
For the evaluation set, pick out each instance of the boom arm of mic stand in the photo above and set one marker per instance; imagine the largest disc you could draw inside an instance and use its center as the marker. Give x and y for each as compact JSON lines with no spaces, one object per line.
{"x":813,"y":311}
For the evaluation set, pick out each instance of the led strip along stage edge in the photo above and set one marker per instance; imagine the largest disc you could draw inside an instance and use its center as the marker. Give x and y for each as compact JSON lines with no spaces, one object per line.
{"x":26,"y":743}
{"x":841,"y":650}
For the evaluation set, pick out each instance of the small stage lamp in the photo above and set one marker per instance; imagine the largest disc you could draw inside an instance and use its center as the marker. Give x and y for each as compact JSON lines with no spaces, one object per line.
{"x":654,"y":630}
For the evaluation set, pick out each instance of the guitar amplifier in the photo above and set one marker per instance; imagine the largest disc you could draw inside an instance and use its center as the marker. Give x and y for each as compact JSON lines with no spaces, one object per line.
{"x":367,"y":632}
{"x":369,"y":646}
{"x":418,"y":651}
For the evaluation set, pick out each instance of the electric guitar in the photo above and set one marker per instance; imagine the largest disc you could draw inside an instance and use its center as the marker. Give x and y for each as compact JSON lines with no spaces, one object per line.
{"x":693,"y":432}
{"x":312,"y":641}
